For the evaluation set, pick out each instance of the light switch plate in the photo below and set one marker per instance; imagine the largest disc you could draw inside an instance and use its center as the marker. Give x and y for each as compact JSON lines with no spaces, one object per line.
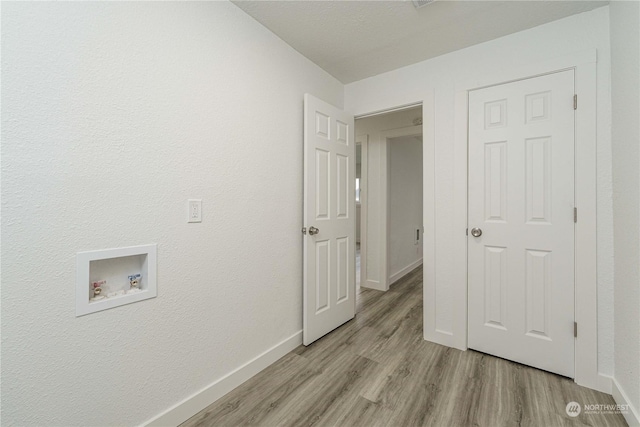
{"x":194,"y":213}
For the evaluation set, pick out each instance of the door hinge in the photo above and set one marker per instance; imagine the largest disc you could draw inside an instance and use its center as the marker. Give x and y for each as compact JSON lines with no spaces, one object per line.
{"x":575,"y":102}
{"x":304,"y":230}
{"x":575,"y":329}
{"x":575,"y":215}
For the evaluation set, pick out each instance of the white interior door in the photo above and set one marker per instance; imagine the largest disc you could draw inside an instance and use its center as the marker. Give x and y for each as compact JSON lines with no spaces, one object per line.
{"x":521,"y":197}
{"x":329,"y":219}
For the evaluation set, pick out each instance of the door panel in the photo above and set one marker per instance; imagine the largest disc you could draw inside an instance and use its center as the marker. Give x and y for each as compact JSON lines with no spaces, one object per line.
{"x":343,"y":186}
{"x":521,"y":195}
{"x":495,"y":286}
{"x":322,"y":173}
{"x":329,"y":206}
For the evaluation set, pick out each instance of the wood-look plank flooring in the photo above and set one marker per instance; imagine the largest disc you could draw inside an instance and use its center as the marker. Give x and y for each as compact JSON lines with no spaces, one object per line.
{"x":377,"y":370}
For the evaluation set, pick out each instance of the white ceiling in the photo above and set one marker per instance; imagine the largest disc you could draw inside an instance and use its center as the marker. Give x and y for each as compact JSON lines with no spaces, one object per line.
{"x":353,"y":40}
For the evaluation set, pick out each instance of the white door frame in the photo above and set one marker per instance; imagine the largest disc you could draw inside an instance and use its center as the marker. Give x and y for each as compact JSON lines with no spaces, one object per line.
{"x":586,"y":349}
{"x":384,"y":282}
{"x":584,"y":64}
{"x":363,"y":141}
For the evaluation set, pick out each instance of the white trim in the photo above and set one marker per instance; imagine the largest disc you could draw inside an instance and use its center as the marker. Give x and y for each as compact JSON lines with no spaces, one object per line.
{"x":371,"y":284}
{"x":389,"y":110}
{"x":363,"y":140}
{"x":586,"y":309}
{"x":586,"y":344}
{"x":403,"y":272}
{"x":632,"y":416}
{"x":458,"y":336}
{"x":430,"y":329}
{"x":428,"y":167}
{"x":604,"y":383}
{"x":521,"y":72}
{"x":184,"y":410}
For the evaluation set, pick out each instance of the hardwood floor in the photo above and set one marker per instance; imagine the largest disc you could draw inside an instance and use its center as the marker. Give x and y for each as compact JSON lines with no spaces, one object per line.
{"x":377,"y":370}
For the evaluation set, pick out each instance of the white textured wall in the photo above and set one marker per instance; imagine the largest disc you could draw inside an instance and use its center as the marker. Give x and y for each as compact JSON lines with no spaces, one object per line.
{"x":376,"y":158}
{"x":405,"y":203}
{"x":625,"y":95}
{"x":439,"y":77}
{"x":113,"y":115}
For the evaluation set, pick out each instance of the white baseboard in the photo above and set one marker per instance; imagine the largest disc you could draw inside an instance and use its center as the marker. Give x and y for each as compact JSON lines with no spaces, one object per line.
{"x":370,"y":284}
{"x":632,"y":416}
{"x":184,"y":410}
{"x":400,"y":274}
{"x":604,"y":383}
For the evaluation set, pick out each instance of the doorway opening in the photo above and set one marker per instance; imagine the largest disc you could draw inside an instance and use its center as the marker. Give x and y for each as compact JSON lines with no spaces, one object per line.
{"x":390,"y":186}
{"x":389,"y":197}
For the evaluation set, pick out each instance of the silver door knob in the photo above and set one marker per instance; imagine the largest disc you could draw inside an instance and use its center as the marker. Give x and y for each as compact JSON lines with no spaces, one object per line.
{"x":476,"y":232}
{"x":313,"y":231}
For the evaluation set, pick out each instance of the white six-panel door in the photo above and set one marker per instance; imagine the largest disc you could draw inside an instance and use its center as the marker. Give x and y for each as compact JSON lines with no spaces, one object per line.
{"x":329,"y":207}
{"x":521,"y":197}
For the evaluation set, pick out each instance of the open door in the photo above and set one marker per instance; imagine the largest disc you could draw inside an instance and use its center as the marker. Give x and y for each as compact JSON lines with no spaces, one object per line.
{"x":329,"y":277}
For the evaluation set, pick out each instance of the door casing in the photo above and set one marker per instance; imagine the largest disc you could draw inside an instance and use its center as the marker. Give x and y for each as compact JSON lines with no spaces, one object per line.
{"x":363,"y":141}
{"x":586,"y":349}
{"x":584,"y":63}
